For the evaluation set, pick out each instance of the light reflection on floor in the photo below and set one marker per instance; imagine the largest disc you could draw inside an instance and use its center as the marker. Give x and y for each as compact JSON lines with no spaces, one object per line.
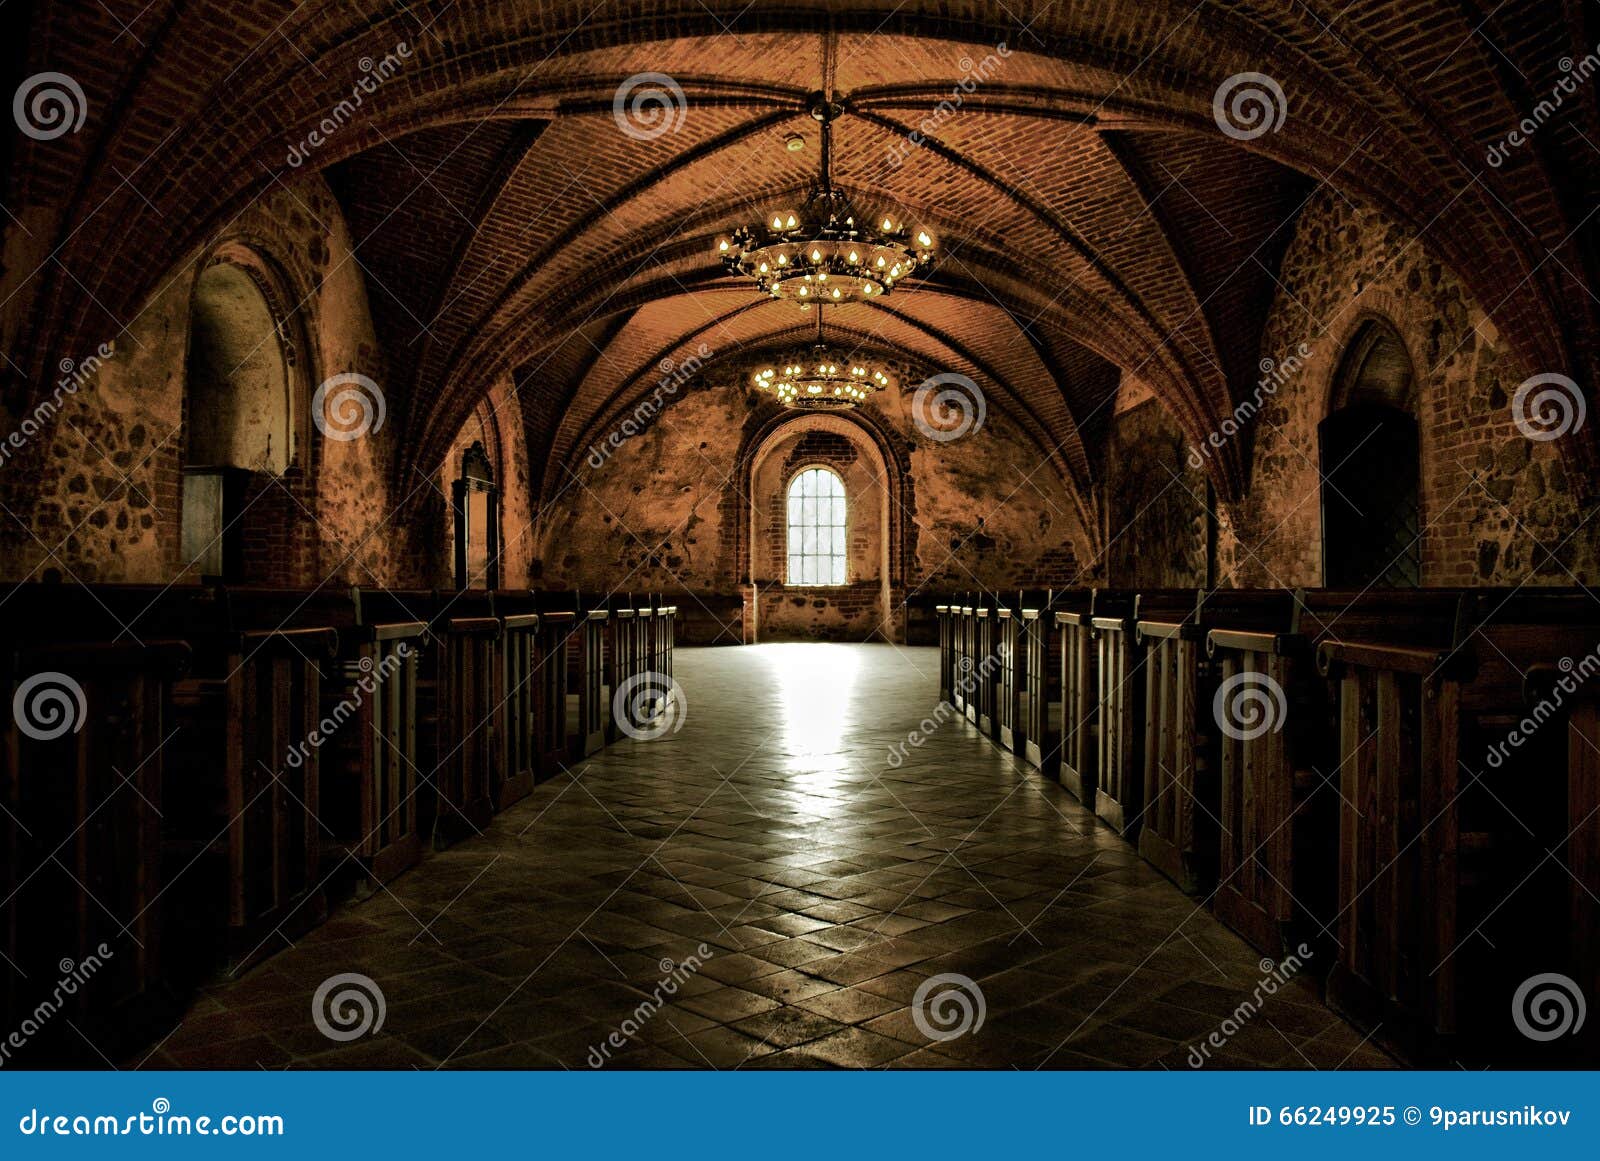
{"x":817,"y":702}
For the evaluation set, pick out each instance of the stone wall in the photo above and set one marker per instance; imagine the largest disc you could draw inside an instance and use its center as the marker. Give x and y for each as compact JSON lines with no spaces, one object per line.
{"x":1157,"y":504}
{"x":679,"y":508}
{"x":1496,"y":507}
{"x":101,"y":471}
{"x":669,"y":510}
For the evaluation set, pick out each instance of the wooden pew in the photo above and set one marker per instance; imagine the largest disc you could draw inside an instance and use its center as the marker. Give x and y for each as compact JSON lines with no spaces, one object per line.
{"x":1182,"y":827}
{"x":386,"y":754}
{"x":1431,"y":850}
{"x":368,"y":736}
{"x":471,"y":712}
{"x":356,"y":742}
{"x":666,"y":641}
{"x":591,"y":642}
{"x":253,"y":709}
{"x":545,"y":624}
{"x":1120,"y":692}
{"x":1040,"y":686}
{"x":1578,"y":848}
{"x":520,"y":768}
{"x":374,"y":807}
{"x":947,"y":650}
{"x":625,"y":630}
{"x":1280,"y":802}
{"x":981,"y":700}
{"x":644,"y":640}
{"x":1010,"y":674}
{"x":962,"y":683}
{"x":588,"y":642}
{"x":241,"y":832}
{"x":1080,"y":694}
{"x":556,"y":629}
{"x":81,"y":776}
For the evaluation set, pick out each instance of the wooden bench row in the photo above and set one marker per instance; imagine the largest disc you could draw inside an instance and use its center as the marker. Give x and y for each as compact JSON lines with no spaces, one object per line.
{"x":1327,"y":767}
{"x":204,"y":766}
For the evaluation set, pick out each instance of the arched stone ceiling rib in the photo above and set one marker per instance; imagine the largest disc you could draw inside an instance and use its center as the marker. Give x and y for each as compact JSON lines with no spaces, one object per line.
{"x":1084,"y":148}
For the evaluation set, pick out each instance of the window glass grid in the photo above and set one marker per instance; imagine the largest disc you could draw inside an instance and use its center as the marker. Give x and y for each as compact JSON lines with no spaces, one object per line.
{"x":818,"y":534}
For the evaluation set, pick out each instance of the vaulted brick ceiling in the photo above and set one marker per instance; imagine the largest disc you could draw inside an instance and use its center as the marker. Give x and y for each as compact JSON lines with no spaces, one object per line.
{"x":1092,"y":217}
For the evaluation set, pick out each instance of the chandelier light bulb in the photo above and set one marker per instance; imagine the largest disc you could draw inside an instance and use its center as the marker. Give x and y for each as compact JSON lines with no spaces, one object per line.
{"x":825,"y":237}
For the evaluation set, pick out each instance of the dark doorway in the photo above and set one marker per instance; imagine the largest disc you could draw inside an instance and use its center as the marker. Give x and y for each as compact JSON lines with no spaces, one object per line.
{"x":1369,"y":499}
{"x":1371,"y":467}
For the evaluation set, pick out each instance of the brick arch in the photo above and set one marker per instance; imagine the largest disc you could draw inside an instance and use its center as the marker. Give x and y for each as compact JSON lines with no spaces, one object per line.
{"x":1117,"y":335}
{"x":1095,"y":62}
{"x":871,"y":438}
{"x":897,"y":342}
{"x":277,"y":546}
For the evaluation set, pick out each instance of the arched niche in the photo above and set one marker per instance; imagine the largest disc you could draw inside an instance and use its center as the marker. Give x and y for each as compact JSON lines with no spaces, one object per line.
{"x":245,"y":382}
{"x":1371,"y":466}
{"x":476,"y":500}
{"x":239,"y":379}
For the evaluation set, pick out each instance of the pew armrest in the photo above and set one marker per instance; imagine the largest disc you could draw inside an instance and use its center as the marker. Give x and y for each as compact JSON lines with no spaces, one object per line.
{"x":1256,"y":641}
{"x":1456,"y":664}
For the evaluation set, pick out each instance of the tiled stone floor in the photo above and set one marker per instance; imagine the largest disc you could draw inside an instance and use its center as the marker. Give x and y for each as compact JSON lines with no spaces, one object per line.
{"x":825,"y":883}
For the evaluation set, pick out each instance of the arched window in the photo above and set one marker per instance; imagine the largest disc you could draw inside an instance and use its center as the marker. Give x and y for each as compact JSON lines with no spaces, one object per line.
{"x":1370,"y":468}
{"x":818,"y":528}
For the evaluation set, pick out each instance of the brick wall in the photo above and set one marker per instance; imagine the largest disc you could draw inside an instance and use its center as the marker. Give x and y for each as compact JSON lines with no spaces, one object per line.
{"x":102,"y":477}
{"x":1157,"y":510}
{"x":668,"y":510}
{"x":1496,"y":507}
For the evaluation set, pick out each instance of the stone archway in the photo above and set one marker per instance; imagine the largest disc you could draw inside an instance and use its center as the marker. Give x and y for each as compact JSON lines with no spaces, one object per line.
{"x":865,"y":607}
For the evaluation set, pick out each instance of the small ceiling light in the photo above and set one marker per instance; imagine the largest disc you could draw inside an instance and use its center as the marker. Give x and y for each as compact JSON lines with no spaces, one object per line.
{"x":819,"y":379}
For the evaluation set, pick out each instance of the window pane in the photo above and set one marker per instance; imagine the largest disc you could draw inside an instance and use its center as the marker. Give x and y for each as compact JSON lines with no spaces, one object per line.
{"x":817,"y":522}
